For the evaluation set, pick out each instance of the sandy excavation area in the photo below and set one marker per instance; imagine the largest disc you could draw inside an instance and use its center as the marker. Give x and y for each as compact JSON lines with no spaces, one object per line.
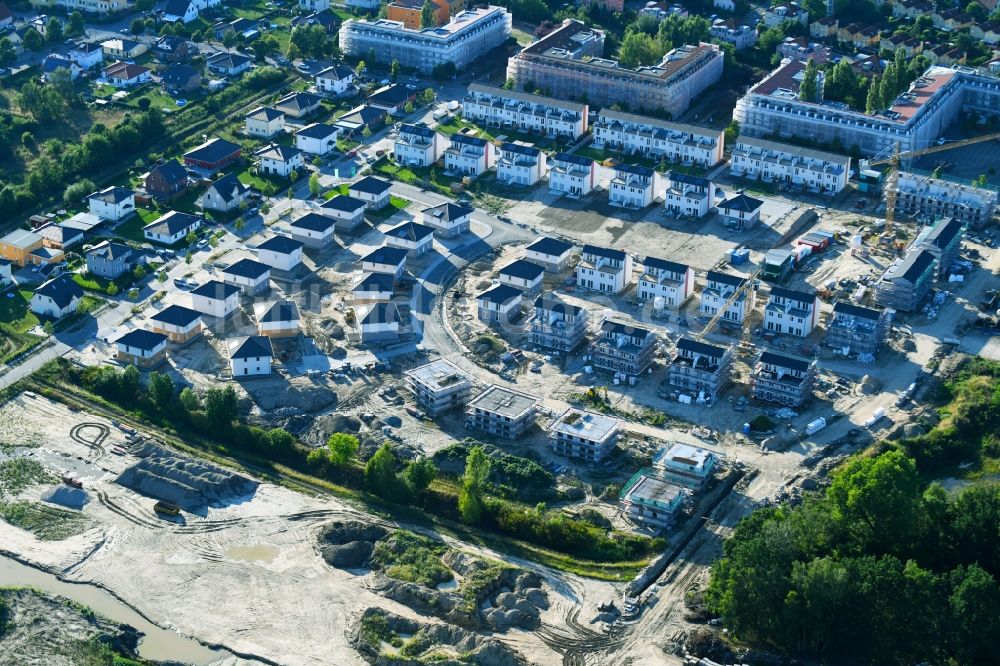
{"x":245,"y":574}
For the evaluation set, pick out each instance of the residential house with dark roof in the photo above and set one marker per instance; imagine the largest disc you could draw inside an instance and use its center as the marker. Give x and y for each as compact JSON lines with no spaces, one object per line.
{"x":178,"y":323}
{"x":250,"y":356}
{"x":313,"y":230}
{"x":373,"y":288}
{"x":378,"y":322}
{"x":264,"y":122}
{"x":524,"y":275}
{"x":373,"y":191}
{"x":741,"y":212}
{"x":180,"y":11}
{"x":943,"y":239}
{"x":278,"y":320}
{"x":719,"y":287}
{"x":688,"y":196}
{"x":360,"y":117}
{"x":448,"y":219}
{"x":110,"y":260}
{"x":124,"y":75}
{"x":571,"y":175}
{"x":216,"y":298}
{"x":181,"y":78}
{"x":144,"y":349}
{"x":252,"y":277}
{"x":700,"y":369}
{"x":171,"y":227}
{"x":335,"y":80}
{"x":469,"y":155}
{"x":419,"y":146}
{"x":280,"y":160}
{"x":552,"y":253}
{"x":518,"y":164}
{"x":557,"y":324}
{"x":280,"y":252}
{"x":625,"y":348}
{"x":224,"y":195}
{"x":782,"y":378}
{"x":499,"y":304}
{"x":299,"y":104}
{"x":112,"y":203}
{"x":228,"y":64}
{"x":791,"y":312}
{"x":632,"y":186}
{"x":56,"y":298}
{"x":413,"y":237}
{"x":385,"y":259}
{"x":317,"y":138}
{"x":392,"y":98}
{"x":173,"y":48}
{"x":667,"y":284}
{"x":907,"y":281}
{"x":88,"y":55}
{"x":213,"y":155}
{"x":604,"y":269}
{"x":347,"y":212}
{"x":167,"y":180}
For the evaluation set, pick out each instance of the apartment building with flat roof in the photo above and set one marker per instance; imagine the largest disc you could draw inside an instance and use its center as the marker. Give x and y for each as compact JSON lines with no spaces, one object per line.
{"x":502,"y":412}
{"x":654,"y":138}
{"x":915,"y":119}
{"x":524,"y":112}
{"x":467,"y":36}
{"x":651,"y":499}
{"x":568,"y":63}
{"x":438,"y":386}
{"x":773,"y":162}
{"x":686,"y":465}
{"x":586,"y":435}
{"x":923,"y":197}
{"x":784,"y":379}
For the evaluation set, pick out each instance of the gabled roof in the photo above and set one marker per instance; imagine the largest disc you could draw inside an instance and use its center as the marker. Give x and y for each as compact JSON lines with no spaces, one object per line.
{"x":141,"y":339}
{"x":664,"y":265}
{"x":176,"y":7}
{"x":265,"y":113}
{"x":229,"y":187}
{"x":344,"y":203}
{"x":280,"y":311}
{"x":110,"y":251}
{"x":176,"y":315}
{"x":317,"y":131}
{"x":381,"y":313}
{"x":742,"y":202}
{"x":391,"y":95}
{"x":228,"y":60}
{"x":299,"y":101}
{"x":520,"y":149}
{"x":621,"y":328}
{"x":124,"y":70}
{"x":383,"y":282}
{"x":280,"y":244}
{"x":411,"y":231}
{"x":914,"y":264}
{"x":523,"y":269}
{"x":171,"y":171}
{"x":447,"y":212}
{"x":392,"y":256}
{"x":725,"y":278}
{"x":843,"y":307}
{"x":337,"y":71}
{"x":21,"y":238}
{"x":61,"y":290}
{"x":785,"y":360}
{"x":252,"y":347}
{"x":943,"y":232}
{"x":313,"y":222}
{"x":792,"y":295}
{"x":172,"y":223}
{"x":279,"y":153}
{"x":426,"y":132}
{"x":606,"y":252}
{"x":697,"y":347}
{"x":112,"y":195}
{"x":212,"y":151}
{"x":500,"y":294}
{"x":555,"y":304}
{"x":371,"y":185}
{"x":574,"y":159}
{"x":247,"y":268}
{"x":635,"y":169}
{"x":550,"y":246}
{"x":468,"y":140}
{"x":216,"y":290}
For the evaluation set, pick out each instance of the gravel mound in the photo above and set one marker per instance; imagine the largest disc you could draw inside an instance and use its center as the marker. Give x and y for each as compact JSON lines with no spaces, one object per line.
{"x":71,"y":498}
{"x":190,"y":484}
{"x":349,"y":544}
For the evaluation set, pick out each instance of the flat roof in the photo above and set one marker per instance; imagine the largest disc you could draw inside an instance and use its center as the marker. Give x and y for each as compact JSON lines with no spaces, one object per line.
{"x":439,"y":374}
{"x":654,"y":490}
{"x":683,"y":454}
{"x":503,"y":401}
{"x":588,"y":425}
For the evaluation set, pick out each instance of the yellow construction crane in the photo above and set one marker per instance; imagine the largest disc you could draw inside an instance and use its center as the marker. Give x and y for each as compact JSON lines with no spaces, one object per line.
{"x":893,"y":173}
{"x":744,"y":288}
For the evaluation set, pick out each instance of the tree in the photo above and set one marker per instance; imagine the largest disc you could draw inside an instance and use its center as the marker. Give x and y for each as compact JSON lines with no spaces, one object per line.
{"x":188,"y":257}
{"x":380,"y":473}
{"x":427,"y":15}
{"x":341,"y":448}
{"x":314,"y":185}
{"x":366,"y":132}
{"x":808,"y":89}
{"x":139,"y":272}
{"x":874,"y":102}
{"x":444,"y":71}
{"x":639,"y":49}
{"x":293,"y":176}
{"x":161,"y":390}
{"x":229,"y":39}
{"x":221,"y":407}
{"x":394,"y":70}
{"x":33,"y":41}
{"x":419,"y":474}
{"x":138,"y":27}
{"x":429,"y":96}
{"x":408,"y":108}
{"x":265,"y":45}
{"x":144,"y":5}
{"x":980,"y":180}
{"x":75,"y":27}
{"x":359,"y":70}
{"x":189,"y":400}
{"x":161,"y":276}
{"x":41,"y":101}
{"x":111,"y":289}
{"x":8,"y":56}
{"x":77,"y":191}
{"x":732,"y":132}
{"x":470,"y":499}
{"x":54,"y":31}
{"x":190,"y":238}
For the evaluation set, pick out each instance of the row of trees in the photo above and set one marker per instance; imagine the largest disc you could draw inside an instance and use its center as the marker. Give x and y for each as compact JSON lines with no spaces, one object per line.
{"x":878,"y":569}
{"x":647,"y":40}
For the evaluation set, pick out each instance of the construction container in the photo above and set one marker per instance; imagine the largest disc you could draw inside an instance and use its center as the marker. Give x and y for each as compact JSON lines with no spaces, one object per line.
{"x":801,"y":252}
{"x":739,"y":256}
{"x":815,"y":426}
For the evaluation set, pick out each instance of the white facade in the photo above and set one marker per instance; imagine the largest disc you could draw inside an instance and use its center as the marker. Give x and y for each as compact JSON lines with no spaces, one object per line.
{"x":604,"y":269}
{"x":666,"y":283}
{"x":171,"y":228}
{"x":419,"y":146}
{"x":468,"y":156}
{"x":718,"y":289}
{"x":688,"y":196}
{"x":524,"y":112}
{"x":264,"y":122}
{"x":316,"y":139}
{"x":632,"y":186}
{"x":216,"y":299}
{"x":571,"y":175}
{"x":250,"y":366}
{"x":654,"y":138}
{"x":336,"y":80}
{"x":283,"y":256}
{"x":520,"y":165}
{"x":281,"y":161}
{"x":315,"y":5}
{"x":112,"y":204}
{"x":46,"y":306}
{"x":934,"y":198}
{"x":791,"y":312}
{"x":771,"y":161}
{"x":469,"y":35}
{"x":741,"y":37}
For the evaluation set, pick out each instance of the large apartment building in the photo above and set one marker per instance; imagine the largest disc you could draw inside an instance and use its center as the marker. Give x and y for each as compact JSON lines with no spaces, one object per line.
{"x":502,"y":412}
{"x":700,"y":368}
{"x":568,"y":63}
{"x":586,"y":435}
{"x":524,"y":112}
{"x":857,"y":331}
{"x":654,"y":138}
{"x":719,"y":287}
{"x":557,"y":324}
{"x":775,"y":162}
{"x":783,"y":378}
{"x":914,"y":120}
{"x":438,"y":386}
{"x":623,"y":348}
{"x":907,"y":281}
{"x":944,"y":240}
{"x":925,"y":197}
{"x":467,"y":36}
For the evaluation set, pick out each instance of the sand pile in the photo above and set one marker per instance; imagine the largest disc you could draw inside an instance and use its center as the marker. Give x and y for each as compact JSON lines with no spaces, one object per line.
{"x":71,"y":498}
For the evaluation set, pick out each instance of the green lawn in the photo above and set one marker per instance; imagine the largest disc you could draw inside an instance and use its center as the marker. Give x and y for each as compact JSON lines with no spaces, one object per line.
{"x":431,"y":178}
{"x":602,"y":155}
{"x":132,"y":229}
{"x":15,"y":322}
{"x":396,"y":204}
